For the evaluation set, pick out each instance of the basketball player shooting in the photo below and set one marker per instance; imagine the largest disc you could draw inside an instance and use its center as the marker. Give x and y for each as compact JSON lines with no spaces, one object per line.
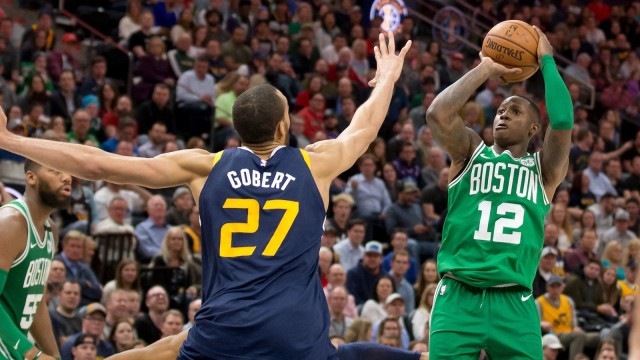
{"x":498,"y":198}
{"x":262,"y":208}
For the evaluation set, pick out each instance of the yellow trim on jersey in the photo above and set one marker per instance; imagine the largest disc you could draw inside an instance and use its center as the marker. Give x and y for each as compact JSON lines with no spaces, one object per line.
{"x":305,"y":156}
{"x":217,"y":157}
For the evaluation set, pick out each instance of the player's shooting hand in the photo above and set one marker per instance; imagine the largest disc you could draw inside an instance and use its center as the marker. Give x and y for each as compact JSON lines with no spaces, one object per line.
{"x":544,"y":46}
{"x":496,"y":70}
{"x":389,"y":64}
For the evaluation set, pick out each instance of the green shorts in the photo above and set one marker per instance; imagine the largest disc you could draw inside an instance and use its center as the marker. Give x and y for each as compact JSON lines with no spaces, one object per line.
{"x":502,"y":321}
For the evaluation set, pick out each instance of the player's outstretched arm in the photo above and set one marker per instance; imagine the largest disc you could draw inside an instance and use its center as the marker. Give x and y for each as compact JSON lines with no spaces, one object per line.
{"x":164,"y":349}
{"x":443,"y":119}
{"x":332,"y":157}
{"x":557,"y":142}
{"x":86,"y":162}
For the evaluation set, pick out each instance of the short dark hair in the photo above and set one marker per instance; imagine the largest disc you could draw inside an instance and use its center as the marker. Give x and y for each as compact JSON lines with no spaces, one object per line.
{"x":31,"y":165}
{"x":354,"y":222}
{"x":98,"y":59}
{"x":632,"y":200}
{"x":257,"y":113}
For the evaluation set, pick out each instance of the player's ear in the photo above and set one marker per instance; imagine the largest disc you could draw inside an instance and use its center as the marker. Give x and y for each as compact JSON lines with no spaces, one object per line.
{"x":31,"y":178}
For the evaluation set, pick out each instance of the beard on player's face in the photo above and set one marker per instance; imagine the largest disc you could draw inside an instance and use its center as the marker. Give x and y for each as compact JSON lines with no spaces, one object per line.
{"x":52,"y":197}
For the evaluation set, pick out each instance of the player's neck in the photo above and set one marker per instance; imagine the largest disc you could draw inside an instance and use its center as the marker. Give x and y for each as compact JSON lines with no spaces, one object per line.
{"x":39,"y":212}
{"x":264,"y":151}
{"x":517,"y":150}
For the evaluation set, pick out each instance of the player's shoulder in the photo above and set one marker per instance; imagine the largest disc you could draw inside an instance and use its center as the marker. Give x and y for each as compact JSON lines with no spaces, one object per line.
{"x":11,"y":217}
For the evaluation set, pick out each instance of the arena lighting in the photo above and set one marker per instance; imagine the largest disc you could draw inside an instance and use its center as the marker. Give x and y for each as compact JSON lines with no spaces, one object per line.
{"x":391,"y":12}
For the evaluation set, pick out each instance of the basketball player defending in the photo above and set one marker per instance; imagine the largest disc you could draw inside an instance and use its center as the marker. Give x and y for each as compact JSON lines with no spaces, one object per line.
{"x":28,"y":243}
{"x":498,"y":199}
{"x":262,"y":208}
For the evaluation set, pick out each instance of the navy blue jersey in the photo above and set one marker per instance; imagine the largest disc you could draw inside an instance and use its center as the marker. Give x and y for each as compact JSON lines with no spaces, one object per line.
{"x":261,"y":229}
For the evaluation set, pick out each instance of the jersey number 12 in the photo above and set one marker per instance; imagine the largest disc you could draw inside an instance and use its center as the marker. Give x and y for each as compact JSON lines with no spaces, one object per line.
{"x":501,"y":224}
{"x":227,"y":249}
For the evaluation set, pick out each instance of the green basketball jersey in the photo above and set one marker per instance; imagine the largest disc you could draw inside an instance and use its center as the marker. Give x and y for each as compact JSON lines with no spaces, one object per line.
{"x":494,"y":229}
{"x":28,"y":274}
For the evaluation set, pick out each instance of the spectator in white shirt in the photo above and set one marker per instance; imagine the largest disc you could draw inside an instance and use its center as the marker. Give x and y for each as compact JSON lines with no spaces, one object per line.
{"x":195,"y":95}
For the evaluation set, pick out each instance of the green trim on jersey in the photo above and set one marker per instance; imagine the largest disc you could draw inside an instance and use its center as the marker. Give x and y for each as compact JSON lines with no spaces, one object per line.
{"x":28,"y":273}
{"x":494,"y":229}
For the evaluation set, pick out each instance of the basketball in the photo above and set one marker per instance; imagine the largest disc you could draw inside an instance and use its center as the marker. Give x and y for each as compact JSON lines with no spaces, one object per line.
{"x":513,"y":43}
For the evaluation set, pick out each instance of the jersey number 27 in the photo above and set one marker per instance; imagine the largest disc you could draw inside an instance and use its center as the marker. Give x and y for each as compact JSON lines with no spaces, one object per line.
{"x":227,"y":249}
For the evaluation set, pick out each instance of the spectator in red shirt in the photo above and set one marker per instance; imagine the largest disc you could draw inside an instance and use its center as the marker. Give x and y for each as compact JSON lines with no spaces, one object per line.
{"x":313,"y":115}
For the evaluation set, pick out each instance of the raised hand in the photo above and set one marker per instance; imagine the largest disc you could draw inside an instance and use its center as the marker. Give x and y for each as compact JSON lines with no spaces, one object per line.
{"x":389,"y":64}
{"x":544,"y":46}
{"x":497,"y":70}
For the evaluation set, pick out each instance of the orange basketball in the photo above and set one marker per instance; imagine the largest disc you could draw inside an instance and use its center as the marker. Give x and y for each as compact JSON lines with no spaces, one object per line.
{"x":513,"y":43}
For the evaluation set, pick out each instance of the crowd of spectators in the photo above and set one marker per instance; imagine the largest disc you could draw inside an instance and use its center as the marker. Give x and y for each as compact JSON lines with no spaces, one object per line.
{"x":192,"y":59}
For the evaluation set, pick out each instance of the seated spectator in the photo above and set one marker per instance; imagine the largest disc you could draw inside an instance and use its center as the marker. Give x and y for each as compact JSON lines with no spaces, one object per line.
{"x":428,"y":275}
{"x":126,"y":132}
{"x":122,"y":335}
{"x":135,"y":196}
{"x":360,"y":331}
{"x":235,"y":51}
{"x":195,"y":96}
{"x":151,"y":232}
{"x":130,"y":22}
{"x":297,"y":132}
{"x":157,"y":138}
{"x":374,"y":308}
{"x":399,"y":267}
{"x":65,"y":59}
{"x":551,"y":347}
{"x":85,"y":347}
{"x":546,"y":268}
{"x":581,"y":196}
{"x":336,"y":277}
{"x":217,"y":66}
{"x":152,"y":68}
{"x":65,"y":319}
{"x":194,"y":307}
{"x":139,"y":39}
{"x":116,"y":310}
{"x":149,"y":325}
{"x":36,"y":94}
{"x":609,"y":279}
{"x":115,"y":221}
{"x":394,"y":306}
{"x":156,"y":110}
{"x":180,"y":209}
{"x":579,"y":257}
{"x":628,"y":286}
{"x":71,"y":255}
{"x":604,"y":211}
{"x":399,"y":242}
{"x":587,"y":292}
{"x":599,"y":183}
{"x":181,"y":58}
{"x":408,"y":166}
{"x":193,"y":231}
{"x":325,"y":259}
{"x":126,"y":278}
{"x":80,"y":128}
{"x":338,"y":322}
{"x":370,"y":195}
{"x":434,"y":198}
{"x":82,"y":212}
{"x":66,"y":99}
{"x":362,"y":278}
{"x":612,"y":256}
{"x":184,"y":272}
{"x":619,"y":232}
{"x":172,"y":323}
{"x":350,"y":250}
{"x":558,"y":315}
{"x":93,"y":319}
{"x":420,"y":317}
{"x":313,"y":115}
{"x":57,"y":276}
{"x":107,"y":98}
{"x":45,"y":24}
{"x":229,"y":88}
{"x":98,"y":75}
